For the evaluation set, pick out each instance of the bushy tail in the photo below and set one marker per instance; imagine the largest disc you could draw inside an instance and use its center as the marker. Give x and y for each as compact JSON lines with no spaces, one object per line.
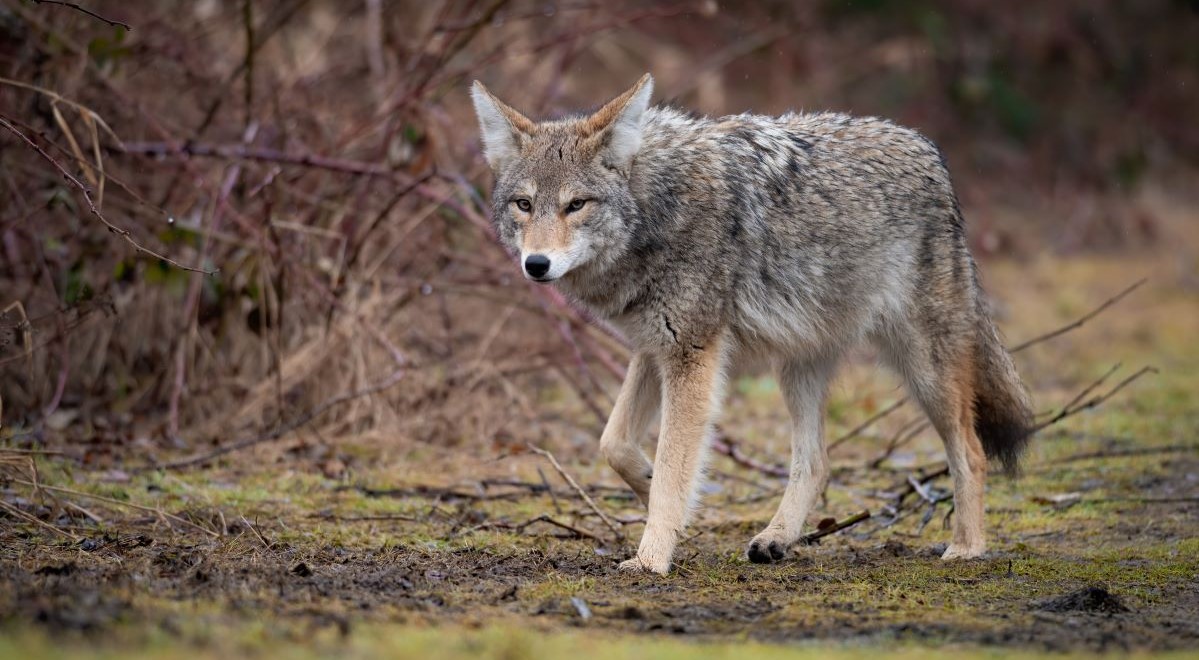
{"x":1002,"y":411}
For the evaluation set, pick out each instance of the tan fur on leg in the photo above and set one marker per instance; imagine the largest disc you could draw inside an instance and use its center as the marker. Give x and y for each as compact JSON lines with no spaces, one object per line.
{"x":692,"y":384}
{"x":636,"y":406}
{"x":968,"y":466}
{"x":804,"y":385}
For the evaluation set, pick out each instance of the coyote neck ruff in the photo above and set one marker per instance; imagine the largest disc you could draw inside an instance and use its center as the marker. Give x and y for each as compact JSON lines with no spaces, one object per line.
{"x":780,"y":240}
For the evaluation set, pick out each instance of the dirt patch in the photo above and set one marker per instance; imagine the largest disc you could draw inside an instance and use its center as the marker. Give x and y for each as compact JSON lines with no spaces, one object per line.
{"x":817,"y":596}
{"x":1090,"y":599}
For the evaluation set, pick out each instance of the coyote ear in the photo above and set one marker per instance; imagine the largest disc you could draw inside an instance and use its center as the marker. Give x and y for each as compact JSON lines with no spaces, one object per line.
{"x":501,"y":126}
{"x":620,"y":121}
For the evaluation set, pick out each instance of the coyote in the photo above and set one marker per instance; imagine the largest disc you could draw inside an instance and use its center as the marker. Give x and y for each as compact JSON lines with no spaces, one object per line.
{"x":782,"y":241}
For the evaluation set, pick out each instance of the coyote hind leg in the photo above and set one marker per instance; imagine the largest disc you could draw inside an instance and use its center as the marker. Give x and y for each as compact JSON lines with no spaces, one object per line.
{"x":944,"y":386}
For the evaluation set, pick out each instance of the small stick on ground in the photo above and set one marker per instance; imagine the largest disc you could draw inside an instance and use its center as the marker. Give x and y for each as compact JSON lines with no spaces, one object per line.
{"x":1133,"y":451}
{"x":520,"y":528}
{"x":812,"y":537}
{"x":559,"y":524}
{"x":921,"y":489}
{"x":725,"y":445}
{"x":379,"y":517}
{"x":1074,"y":407}
{"x":1080,"y":321}
{"x":12,"y":510}
{"x":91,"y":516}
{"x":578,"y":489}
{"x":116,"y":502}
{"x":254,"y":528}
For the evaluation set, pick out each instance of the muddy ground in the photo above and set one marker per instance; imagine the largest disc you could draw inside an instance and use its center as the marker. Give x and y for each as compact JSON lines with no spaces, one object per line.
{"x":1094,"y":548}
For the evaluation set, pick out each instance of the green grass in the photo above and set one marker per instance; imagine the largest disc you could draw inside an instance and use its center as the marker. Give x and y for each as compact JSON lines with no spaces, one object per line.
{"x":500,"y":643}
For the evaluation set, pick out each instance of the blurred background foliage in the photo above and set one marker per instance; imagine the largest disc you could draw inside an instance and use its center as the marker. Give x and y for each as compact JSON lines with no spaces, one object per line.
{"x":322,"y":157}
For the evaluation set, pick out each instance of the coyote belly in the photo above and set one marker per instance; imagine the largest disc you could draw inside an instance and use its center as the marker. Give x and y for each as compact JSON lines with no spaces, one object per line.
{"x":789,"y":240}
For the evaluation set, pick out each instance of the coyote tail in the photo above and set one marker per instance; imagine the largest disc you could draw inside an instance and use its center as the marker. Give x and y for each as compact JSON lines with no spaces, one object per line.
{"x":1002,"y":411}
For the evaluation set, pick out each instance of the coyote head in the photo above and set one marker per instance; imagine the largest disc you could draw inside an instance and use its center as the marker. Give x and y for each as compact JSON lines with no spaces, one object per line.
{"x":562,"y":198}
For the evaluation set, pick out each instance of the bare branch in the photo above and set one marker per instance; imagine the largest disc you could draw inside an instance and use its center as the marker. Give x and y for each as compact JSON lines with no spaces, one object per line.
{"x":84,"y":10}
{"x":578,"y":489}
{"x":812,"y":537}
{"x":1080,"y":321}
{"x":725,"y":445}
{"x":1073,"y":408}
{"x":857,"y":430}
{"x":87,"y":195}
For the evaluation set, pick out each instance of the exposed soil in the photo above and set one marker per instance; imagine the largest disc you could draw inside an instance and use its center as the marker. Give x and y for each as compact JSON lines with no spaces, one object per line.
{"x":815,"y":594}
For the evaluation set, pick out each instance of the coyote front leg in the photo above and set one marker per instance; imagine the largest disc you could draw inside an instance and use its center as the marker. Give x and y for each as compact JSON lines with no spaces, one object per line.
{"x":691,"y":382}
{"x":804,"y":385}
{"x":638,"y":402}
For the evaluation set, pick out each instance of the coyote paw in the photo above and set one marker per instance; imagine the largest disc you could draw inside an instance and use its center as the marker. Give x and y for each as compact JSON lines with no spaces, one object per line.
{"x":636,"y":565}
{"x":631,"y":566}
{"x":765,"y":550}
{"x":956,"y":551}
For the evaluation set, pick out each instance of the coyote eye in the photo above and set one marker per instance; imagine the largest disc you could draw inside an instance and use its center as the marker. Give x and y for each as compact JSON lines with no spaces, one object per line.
{"x":576,"y":205}
{"x":523,"y":204}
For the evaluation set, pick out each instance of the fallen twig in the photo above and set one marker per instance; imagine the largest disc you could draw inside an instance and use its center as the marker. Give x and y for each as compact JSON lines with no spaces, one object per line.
{"x":378,"y":517}
{"x":578,"y":489}
{"x":920,"y":489}
{"x":1080,"y":321}
{"x":813,"y":537}
{"x":521,"y":527}
{"x":253,"y":528}
{"x":14,"y":511}
{"x":116,"y":502}
{"x":1074,"y":407}
{"x":1132,"y":451}
{"x":725,"y":445}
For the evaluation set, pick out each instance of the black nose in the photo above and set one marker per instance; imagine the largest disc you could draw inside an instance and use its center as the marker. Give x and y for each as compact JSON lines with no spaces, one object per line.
{"x":537,"y":265}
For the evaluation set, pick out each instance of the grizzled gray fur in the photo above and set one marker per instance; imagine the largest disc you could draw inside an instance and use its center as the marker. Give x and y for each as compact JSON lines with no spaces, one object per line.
{"x":716,"y":243}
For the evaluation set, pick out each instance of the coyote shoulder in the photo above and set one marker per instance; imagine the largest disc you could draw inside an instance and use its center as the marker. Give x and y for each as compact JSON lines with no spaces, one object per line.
{"x":713,"y":242}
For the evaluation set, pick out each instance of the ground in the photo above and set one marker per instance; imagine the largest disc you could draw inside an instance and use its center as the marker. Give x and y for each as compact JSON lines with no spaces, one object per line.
{"x":426,"y":553}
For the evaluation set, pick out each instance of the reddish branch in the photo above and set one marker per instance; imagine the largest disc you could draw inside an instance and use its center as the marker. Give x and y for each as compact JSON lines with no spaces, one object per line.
{"x":84,"y":10}
{"x":813,"y":537}
{"x":91,"y":204}
{"x":1082,"y":320}
{"x":261,"y":154}
{"x":725,"y":445}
